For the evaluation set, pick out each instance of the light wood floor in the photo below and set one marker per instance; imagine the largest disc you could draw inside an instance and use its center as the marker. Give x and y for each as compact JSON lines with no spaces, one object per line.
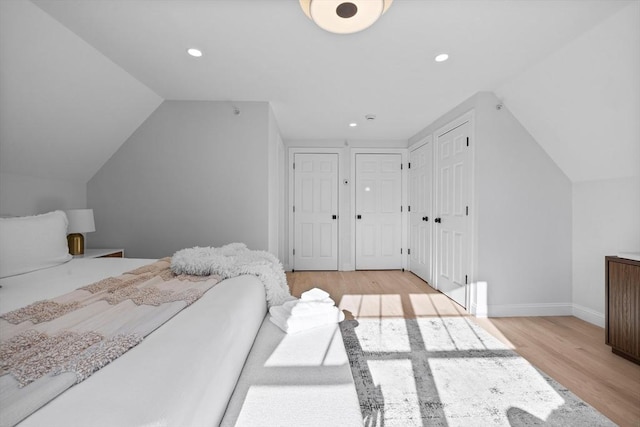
{"x":568,"y":349}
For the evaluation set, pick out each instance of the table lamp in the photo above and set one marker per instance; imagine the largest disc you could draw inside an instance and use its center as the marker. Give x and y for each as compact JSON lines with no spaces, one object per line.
{"x":80,"y":221}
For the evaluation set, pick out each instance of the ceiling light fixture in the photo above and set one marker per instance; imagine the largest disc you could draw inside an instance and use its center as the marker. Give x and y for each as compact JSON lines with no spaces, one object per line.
{"x":196,"y":53}
{"x":442,"y":57}
{"x":353,"y":125}
{"x":344,"y":17}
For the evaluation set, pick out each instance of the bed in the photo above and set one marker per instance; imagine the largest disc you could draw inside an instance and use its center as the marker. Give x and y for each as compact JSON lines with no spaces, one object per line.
{"x":219,"y":361}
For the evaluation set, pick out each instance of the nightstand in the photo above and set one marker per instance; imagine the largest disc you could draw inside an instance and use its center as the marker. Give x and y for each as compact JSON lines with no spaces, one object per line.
{"x":102,"y":253}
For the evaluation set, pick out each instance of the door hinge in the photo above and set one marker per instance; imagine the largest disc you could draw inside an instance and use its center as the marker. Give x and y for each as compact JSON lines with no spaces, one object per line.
{"x":467,"y":210}
{"x":400,"y":166}
{"x":466,"y":280}
{"x":294,"y":251}
{"x":294,"y":208}
{"x":400,"y":251}
{"x":409,"y":165}
{"x":408,"y":251}
{"x":467,"y":141}
{"x":400,"y":208}
{"x":294,"y":165}
{"x":409,"y":208}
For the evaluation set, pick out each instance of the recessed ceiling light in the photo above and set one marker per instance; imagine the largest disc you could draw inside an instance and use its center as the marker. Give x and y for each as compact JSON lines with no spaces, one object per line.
{"x":194,"y":52}
{"x":353,"y":125}
{"x":442,"y":57}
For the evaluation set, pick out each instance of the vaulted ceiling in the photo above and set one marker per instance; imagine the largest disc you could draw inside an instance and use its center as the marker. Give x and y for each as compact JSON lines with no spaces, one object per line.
{"x":79,"y":76}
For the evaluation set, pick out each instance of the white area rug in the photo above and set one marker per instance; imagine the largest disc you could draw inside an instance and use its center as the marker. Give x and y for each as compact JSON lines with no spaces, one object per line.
{"x":450,"y":372}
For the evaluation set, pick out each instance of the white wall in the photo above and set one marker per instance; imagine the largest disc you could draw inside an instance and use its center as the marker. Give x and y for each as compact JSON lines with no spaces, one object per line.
{"x":193,"y":174}
{"x":522,"y":214}
{"x":276,"y":165}
{"x":582,"y":104}
{"x":27,"y":195}
{"x":65,"y":108}
{"x":606,"y":221}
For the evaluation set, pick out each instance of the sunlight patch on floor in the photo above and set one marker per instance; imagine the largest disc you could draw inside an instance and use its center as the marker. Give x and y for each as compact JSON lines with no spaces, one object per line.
{"x":395,"y":384}
{"x":455,"y":334}
{"x":383,"y":335}
{"x":490,"y":327}
{"x":491,"y":380}
{"x":372,"y":305}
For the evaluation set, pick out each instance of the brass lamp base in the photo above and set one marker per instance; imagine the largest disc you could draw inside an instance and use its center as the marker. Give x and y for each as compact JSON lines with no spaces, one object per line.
{"x":76,"y":243}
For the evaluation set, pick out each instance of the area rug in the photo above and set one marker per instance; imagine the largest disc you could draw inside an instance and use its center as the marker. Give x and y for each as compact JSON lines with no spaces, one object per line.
{"x":450,"y":372}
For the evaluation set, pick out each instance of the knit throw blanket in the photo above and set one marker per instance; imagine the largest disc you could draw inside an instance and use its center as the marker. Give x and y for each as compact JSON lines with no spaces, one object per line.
{"x":50,"y":345}
{"x":234,"y":260}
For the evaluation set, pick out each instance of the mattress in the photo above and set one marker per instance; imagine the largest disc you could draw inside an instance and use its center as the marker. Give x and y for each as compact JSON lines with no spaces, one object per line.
{"x":184,"y":373}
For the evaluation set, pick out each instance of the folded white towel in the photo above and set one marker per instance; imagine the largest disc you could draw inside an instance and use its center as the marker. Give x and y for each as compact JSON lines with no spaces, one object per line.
{"x":314,"y":294}
{"x":300,"y":307}
{"x":292,"y":324}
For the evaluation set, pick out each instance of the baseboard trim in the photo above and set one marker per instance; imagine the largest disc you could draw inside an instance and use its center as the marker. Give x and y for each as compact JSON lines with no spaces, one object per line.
{"x":588,"y":315}
{"x":530,"y":310}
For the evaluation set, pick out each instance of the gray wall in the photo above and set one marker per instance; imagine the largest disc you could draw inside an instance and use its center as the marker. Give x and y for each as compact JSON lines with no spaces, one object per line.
{"x":193,"y":174}
{"x":29,"y":195}
{"x":524,"y":216}
{"x":606,"y":221}
{"x":522,"y":202}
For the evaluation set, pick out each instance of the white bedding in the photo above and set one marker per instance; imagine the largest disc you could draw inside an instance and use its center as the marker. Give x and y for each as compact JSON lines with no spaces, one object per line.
{"x":183,"y":374}
{"x":302,"y":380}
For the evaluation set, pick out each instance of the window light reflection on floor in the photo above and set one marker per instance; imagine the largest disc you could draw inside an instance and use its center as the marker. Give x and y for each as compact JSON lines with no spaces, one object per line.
{"x":372,"y":305}
{"x":537,"y":398}
{"x":398,"y":392}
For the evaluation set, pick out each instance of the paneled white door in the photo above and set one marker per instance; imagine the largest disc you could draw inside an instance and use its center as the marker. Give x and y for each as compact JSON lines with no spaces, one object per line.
{"x":378,"y":211}
{"x":315,"y":212}
{"x":451,"y":225}
{"x":421,"y":217}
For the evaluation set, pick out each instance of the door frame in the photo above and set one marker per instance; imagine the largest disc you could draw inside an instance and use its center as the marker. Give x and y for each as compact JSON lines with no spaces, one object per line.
{"x":291,"y":198}
{"x":403,"y":152}
{"x":473,"y":204}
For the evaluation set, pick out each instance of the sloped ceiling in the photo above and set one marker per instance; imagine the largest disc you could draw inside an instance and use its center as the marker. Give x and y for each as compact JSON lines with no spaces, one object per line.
{"x":318,"y":82}
{"x":582,"y":102}
{"x":82,"y":76}
{"x":65,"y":108}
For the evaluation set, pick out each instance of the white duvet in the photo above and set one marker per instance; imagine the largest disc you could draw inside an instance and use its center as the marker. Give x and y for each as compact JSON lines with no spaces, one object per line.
{"x":174,"y":377}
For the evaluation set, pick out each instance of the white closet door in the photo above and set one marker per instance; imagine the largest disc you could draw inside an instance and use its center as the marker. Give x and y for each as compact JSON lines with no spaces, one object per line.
{"x":315,"y":212}
{"x":378,"y":214}
{"x":420,"y":181}
{"x":451,"y":225}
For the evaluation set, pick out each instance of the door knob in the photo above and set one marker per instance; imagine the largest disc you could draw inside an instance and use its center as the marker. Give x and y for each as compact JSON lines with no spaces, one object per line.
{"x":425,"y":218}
{"x":438,"y":220}
{"x":358,"y":216}
{"x":334,"y":216}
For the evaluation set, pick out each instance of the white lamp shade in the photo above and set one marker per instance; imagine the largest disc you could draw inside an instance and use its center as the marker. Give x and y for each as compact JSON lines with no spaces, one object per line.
{"x":80,"y":221}
{"x":360,"y":14}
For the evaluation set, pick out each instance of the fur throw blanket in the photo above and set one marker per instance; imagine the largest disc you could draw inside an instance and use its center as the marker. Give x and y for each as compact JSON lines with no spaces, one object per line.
{"x":234,"y":260}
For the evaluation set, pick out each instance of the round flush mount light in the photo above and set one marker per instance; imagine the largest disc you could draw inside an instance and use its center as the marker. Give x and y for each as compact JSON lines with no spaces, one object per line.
{"x":344,"y":17}
{"x":441,"y":58}
{"x":353,"y":124}
{"x":196,"y":53}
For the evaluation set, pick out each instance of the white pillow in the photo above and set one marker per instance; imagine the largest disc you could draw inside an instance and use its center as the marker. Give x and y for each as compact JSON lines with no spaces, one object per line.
{"x":31,"y":243}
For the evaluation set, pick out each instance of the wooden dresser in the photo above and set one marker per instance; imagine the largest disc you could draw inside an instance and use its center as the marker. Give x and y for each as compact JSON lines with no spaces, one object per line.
{"x":622,"y":316}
